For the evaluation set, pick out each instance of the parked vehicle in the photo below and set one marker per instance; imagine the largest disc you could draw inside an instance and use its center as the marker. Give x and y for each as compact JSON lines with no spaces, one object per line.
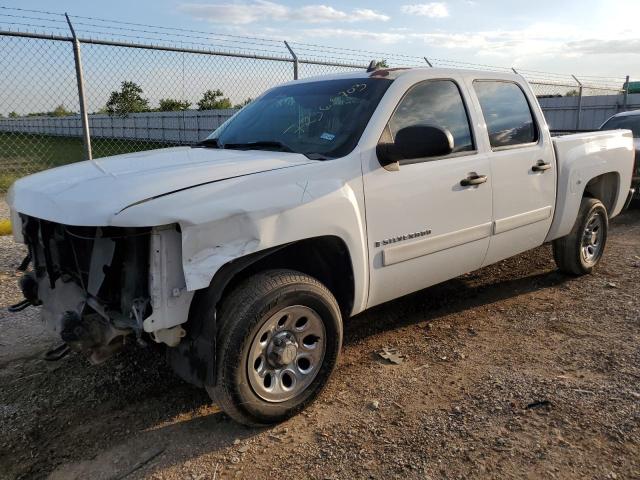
{"x":320,"y":199}
{"x":630,"y":121}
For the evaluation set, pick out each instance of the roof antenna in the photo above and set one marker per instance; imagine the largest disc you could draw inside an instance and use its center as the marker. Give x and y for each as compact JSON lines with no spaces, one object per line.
{"x":373,"y":66}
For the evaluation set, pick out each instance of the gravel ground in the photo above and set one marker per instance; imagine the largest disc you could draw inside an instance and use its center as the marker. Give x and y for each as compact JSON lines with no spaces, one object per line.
{"x":515,"y":371}
{"x":4,"y":208}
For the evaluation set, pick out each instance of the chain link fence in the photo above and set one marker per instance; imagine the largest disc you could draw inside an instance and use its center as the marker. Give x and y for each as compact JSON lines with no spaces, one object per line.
{"x":149,"y":87}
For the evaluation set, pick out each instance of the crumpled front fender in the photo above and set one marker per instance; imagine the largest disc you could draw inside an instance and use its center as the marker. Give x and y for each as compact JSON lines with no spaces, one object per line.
{"x":227,"y":220}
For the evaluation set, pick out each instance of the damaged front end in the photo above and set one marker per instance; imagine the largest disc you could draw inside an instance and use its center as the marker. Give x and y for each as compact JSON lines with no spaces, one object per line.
{"x":92,"y":283}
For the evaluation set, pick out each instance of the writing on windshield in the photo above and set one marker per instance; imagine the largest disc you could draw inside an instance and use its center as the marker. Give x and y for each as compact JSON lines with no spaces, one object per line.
{"x":324,"y":119}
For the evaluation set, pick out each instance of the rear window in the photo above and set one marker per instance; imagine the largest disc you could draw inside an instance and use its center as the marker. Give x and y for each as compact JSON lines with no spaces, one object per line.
{"x":627,"y":122}
{"x":506,"y":112}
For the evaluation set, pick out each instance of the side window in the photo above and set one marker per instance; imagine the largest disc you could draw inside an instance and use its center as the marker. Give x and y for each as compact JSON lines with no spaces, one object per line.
{"x":437,"y":103}
{"x":506,"y":112}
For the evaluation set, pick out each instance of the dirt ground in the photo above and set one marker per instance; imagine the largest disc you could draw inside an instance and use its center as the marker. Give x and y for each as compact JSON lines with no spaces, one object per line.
{"x":515,"y":371}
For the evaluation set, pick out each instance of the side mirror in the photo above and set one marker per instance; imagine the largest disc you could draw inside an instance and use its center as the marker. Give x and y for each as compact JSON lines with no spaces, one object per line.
{"x":416,"y":141}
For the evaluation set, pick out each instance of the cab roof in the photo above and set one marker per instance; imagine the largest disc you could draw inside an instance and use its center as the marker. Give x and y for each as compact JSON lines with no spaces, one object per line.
{"x":418,"y":72}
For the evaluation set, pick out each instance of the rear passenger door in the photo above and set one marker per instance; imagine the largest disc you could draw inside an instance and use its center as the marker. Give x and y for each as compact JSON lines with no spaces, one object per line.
{"x":522,"y":168}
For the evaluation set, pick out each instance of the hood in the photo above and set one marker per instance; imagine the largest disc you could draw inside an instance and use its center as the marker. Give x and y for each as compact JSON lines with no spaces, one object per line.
{"x":91,"y":193}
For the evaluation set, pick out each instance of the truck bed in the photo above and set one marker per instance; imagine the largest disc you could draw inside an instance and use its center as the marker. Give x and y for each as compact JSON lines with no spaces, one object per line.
{"x":604,"y":155}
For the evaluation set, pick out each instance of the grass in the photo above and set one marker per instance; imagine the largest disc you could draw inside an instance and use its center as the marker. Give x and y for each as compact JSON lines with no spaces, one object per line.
{"x":22,"y":154}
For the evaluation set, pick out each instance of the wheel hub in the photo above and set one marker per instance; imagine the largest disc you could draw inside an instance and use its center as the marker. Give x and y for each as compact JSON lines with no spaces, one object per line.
{"x":282,"y":349}
{"x":591,"y":244}
{"x":286,"y":353}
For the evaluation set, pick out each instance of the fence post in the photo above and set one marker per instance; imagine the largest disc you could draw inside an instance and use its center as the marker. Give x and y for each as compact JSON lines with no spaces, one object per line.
{"x":626,"y":94}
{"x":428,"y":62}
{"x":86,"y":135}
{"x":579,"y":102}
{"x":295,"y":60}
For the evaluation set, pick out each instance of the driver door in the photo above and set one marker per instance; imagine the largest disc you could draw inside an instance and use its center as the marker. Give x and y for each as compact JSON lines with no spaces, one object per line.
{"x":423,"y":226}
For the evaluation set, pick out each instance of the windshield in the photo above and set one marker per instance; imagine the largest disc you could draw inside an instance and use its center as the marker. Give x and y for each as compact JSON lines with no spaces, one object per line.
{"x":321,"y":119}
{"x":631,"y":122}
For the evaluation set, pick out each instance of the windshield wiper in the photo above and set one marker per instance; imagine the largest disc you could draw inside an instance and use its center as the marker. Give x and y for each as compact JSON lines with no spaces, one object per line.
{"x":316,"y":156}
{"x":282,"y":147}
{"x":209,"y":143}
{"x":261,"y":144}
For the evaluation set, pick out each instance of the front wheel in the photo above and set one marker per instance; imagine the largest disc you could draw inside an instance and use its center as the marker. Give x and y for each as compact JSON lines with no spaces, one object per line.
{"x":279,"y":340}
{"x":580,"y":251}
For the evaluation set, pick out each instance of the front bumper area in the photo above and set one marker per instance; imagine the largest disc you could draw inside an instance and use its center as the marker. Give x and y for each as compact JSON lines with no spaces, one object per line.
{"x":92,"y":282}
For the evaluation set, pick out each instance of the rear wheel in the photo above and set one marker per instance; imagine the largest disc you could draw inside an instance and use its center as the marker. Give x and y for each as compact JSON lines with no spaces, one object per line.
{"x":580,"y":251}
{"x":279,"y":339}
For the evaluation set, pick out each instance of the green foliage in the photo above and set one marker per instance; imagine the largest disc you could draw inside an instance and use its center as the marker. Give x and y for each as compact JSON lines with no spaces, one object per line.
{"x":128,"y":100}
{"x":173,"y":105}
{"x":213,"y":100}
{"x":572,"y":93}
{"x":243,"y":104}
{"x":382,"y":64}
{"x":61,"y":111}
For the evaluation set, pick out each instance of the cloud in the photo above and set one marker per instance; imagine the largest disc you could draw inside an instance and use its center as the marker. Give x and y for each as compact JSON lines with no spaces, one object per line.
{"x":431,"y":10}
{"x":325,"y":13}
{"x":599,"y":47}
{"x":540,"y":39}
{"x":377,"y":36}
{"x":245,"y":13}
{"x":368,"y":14}
{"x":237,"y":14}
{"x":536,"y":38}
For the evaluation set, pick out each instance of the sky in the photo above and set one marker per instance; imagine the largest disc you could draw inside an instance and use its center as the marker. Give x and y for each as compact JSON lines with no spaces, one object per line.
{"x":586,"y":37}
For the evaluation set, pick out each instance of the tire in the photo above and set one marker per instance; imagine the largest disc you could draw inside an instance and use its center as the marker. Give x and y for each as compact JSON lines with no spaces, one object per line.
{"x":297,"y":356}
{"x":580,"y":251}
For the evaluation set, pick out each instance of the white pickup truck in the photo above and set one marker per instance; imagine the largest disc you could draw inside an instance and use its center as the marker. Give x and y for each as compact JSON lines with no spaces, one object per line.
{"x":320,"y":199}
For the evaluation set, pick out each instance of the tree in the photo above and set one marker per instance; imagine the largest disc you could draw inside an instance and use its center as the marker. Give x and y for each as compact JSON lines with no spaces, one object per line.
{"x":213,"y":100}
{"x":173,"y":105}
{"x":382,"y":64}
{"x":60,"y":111}
{"x":246,"y":102}
{"x":13,"y":115}
{"x":572,"y":93}
{"x":127,"y":100}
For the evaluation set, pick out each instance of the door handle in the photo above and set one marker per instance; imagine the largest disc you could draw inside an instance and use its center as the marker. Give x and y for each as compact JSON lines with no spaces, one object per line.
{"x":473,"y":180}
{"x":541,"y":166}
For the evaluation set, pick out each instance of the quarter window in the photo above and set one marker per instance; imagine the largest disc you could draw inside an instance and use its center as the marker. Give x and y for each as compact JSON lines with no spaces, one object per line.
{"x":437,"y":103}
{"x":506,"y":113}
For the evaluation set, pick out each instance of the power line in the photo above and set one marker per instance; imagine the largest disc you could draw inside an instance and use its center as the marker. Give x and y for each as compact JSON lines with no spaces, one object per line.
{"x":30,"y":11}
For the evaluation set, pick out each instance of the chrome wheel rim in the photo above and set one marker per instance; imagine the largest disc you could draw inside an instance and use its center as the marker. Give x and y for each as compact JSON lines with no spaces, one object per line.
{"x":286,"y":353}
{"x":592,"y":238}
